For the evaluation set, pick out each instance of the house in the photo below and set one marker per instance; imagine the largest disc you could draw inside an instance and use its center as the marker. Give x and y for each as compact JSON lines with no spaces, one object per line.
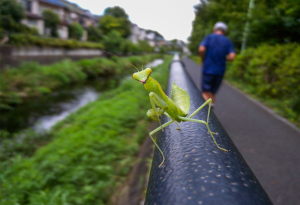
{"x":67,"y":12}
{"x":33,"y":17}
{"x":137,"y":33}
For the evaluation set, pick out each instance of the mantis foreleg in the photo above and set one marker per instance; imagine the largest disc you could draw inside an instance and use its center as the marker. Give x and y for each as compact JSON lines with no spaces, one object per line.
{"x":156,"y":130}
{"x":156,"y":100}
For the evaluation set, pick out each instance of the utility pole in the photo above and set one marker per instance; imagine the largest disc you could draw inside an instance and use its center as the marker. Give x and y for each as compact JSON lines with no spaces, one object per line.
{"x":246,"y":30}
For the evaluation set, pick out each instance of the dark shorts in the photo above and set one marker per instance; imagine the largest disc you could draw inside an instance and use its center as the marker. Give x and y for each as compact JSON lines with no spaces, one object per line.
{"x":211,"y":83}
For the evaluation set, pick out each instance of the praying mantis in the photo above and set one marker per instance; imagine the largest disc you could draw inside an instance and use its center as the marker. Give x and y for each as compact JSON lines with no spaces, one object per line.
{"x":176,"y":108}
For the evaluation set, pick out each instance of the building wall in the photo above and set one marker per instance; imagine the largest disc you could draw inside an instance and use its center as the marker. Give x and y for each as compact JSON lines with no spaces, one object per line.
{"x":35,"y":7}
{"x":84,"y":36}
{"x":63,"y":32}
{"x":35,"y":23}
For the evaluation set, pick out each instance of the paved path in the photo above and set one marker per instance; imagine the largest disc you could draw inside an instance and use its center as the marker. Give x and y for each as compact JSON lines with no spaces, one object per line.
{"x":270,"y":147}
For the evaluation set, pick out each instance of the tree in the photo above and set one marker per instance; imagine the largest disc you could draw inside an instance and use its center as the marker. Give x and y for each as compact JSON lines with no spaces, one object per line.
{"x":128,"y":47}
{"x":144,"y":46}
{"x":272,"y":21}
{"x":116,"y":11}
{"x":94,"y":34}
{"x":112,"y":42}
{"x":115,"y":18}
{"x":51,"y":21}
{"x":11,"y":14}
{"x":75,"y":31}
{"x":275,"y":22}
{"x":208,"y":12}
{"x":109,"y":23}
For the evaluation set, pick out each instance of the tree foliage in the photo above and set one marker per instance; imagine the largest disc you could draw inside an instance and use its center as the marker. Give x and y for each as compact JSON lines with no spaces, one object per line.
{"x":51,"y":21}
{"x":208,"y":12}
{"x":94,"y":34}
{"x":272,"y":21}
{"x":11,"y":14}
{"x":75,"y":31}
{"x":276,"y":21}
{"x":116,"y":11}
{"x":115,"y":19}
{"x":113,"y":42}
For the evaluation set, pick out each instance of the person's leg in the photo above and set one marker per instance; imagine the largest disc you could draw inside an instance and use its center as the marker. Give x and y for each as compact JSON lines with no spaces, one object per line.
{"x":207,"y":87}
{"x":216,"y":82}
{"x":206,"y":95}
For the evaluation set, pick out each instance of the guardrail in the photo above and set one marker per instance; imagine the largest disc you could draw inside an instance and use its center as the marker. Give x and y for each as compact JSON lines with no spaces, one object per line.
{"x":195,"y":170}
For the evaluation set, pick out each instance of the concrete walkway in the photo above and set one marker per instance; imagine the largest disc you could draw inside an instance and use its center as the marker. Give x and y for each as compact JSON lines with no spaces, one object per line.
{"x":270,"y":146}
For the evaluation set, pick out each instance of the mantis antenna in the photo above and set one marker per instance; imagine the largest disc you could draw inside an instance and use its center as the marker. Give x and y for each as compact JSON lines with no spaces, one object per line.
{"x":121,"y":59}
{"x":143,"y":57}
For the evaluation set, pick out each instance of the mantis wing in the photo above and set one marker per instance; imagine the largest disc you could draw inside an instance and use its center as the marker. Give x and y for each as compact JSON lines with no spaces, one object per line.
{"x":181,"y":98}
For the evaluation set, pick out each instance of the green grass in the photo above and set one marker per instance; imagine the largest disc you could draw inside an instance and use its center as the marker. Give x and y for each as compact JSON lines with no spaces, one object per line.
{"x":91,"y":152}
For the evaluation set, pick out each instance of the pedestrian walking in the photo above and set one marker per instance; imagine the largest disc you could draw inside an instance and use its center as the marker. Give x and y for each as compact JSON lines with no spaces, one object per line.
{"x":214,"y":51}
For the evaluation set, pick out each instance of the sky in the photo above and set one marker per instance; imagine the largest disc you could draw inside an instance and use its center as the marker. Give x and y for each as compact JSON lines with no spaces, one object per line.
{"x":172,"y":19}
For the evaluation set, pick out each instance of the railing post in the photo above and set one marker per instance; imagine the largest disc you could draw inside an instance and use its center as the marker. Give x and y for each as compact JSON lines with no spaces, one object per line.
{"x":195,"y":170}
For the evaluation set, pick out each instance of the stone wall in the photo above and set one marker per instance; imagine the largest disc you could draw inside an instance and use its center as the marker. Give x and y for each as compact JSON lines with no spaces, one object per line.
{"x":12,"y":56}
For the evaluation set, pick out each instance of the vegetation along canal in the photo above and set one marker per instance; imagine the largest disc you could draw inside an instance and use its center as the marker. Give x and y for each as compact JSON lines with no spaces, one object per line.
{"x":45,"y":111}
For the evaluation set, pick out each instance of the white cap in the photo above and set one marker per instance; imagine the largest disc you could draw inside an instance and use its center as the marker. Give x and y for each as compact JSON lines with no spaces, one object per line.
{"x":220,"y":25}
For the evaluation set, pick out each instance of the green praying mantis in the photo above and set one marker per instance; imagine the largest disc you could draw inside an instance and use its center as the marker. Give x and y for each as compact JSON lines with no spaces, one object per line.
{"x":176,"y":108}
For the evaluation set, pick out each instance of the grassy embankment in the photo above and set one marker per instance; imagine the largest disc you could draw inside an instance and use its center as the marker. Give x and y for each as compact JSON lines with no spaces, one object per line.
{"x":90,"y":154}
{"x":32,"y":79}
{"x":270,"y":74}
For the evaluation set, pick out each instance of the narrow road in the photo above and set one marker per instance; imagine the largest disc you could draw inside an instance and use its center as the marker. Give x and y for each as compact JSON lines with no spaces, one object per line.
{"x":270,"y":146}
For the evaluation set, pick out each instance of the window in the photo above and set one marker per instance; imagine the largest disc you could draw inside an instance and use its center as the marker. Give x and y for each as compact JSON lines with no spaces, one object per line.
{"x":27,"y":5}
{"x":32,"y":22}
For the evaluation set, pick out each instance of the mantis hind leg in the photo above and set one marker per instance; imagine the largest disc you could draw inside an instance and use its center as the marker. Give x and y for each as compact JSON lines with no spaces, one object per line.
{"x":156,"y":130}
{"x":203,"y":122}
{"x":210,"y":132}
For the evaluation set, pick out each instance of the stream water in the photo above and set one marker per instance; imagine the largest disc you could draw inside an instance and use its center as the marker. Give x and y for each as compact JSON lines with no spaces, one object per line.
{"x":43,"y":112}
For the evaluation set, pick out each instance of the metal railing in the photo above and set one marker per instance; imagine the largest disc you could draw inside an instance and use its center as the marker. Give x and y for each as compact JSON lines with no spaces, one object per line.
{"x":195,"y":170}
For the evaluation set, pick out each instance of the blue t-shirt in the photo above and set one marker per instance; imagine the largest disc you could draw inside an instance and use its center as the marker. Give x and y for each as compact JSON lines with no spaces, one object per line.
{"x":217,"y":48}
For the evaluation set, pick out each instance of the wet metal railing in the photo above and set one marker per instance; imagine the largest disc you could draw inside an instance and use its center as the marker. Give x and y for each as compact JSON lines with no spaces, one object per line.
{"x":195,"y":170}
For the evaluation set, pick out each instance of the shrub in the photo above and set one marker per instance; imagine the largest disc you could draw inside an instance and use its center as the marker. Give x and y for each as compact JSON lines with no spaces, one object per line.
{"x":30,"y":40}
{"x":75,"y":31}
{"x":51,"y":21}
{"x":270,"y":72}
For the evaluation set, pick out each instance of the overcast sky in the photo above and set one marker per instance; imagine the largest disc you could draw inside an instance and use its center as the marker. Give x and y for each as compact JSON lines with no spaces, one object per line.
{"x":172,"y":19}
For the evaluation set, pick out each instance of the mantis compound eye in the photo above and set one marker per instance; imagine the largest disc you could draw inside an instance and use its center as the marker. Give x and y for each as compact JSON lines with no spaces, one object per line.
{"x":135,"y":76}
{"x":148,"y":71}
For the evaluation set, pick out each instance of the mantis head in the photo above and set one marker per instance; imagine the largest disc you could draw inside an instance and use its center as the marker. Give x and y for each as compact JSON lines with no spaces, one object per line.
{"x":142,"y":76}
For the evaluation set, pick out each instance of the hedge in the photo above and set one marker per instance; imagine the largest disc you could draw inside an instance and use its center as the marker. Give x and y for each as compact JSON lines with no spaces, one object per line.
{"x":272,"y":74}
